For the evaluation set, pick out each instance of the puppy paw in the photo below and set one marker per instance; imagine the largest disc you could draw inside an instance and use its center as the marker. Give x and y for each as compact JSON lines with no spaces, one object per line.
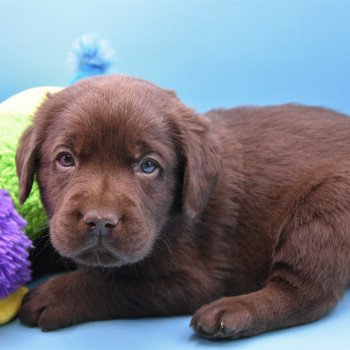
{"x":48,"y":306}
{"x":223,"y":318}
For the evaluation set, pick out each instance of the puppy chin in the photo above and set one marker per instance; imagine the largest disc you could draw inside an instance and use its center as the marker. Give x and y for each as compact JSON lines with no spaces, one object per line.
{"x":102,"y":257}
{"x":99,"y":257}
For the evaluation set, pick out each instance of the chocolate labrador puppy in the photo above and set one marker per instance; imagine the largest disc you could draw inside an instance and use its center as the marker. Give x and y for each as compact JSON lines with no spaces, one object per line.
{"x":239,"y":216}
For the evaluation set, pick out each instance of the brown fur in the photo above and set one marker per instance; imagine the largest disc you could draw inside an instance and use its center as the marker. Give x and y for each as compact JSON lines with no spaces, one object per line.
{"x":246,"y":224}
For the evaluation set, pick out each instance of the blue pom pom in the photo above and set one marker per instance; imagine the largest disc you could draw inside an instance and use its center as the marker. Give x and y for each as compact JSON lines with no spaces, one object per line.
{"x":91,"y":56}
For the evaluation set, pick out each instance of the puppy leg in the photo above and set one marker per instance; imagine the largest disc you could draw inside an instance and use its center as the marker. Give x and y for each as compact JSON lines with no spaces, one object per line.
{"x":309,"y":272}
{"x":91,"y":294}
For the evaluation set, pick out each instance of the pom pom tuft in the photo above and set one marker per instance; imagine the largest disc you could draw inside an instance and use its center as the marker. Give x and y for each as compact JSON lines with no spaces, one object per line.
{"x":14,"y":245}
{"x":91,"y":56}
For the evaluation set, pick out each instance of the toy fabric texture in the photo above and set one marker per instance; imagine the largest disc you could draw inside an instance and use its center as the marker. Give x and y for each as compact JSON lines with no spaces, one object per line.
{"x":14,"y":262}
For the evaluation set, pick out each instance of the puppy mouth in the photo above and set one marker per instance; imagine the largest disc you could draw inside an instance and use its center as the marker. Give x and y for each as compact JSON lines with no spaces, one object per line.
{"x":98,"y":255}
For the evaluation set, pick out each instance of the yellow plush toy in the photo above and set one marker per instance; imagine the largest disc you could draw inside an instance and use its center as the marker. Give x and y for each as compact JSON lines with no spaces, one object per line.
{"x":10,"y":306}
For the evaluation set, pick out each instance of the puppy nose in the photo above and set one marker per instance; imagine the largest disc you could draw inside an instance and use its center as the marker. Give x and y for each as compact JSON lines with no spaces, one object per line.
{"x":100,"y":223}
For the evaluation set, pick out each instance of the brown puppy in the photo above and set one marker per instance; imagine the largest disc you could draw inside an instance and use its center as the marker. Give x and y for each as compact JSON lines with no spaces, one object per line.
{"x":241,"y":216}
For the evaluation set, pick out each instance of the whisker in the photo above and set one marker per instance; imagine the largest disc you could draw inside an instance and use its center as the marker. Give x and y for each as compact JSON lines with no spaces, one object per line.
{"x":35,"y":252}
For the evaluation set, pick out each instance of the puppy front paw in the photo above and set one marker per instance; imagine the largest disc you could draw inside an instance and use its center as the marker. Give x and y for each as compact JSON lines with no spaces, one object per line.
{"x":223,"y":318}
{"x":48,"y":306}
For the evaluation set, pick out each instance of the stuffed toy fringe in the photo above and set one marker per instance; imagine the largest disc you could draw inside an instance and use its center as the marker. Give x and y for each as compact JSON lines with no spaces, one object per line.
{"x":14,"y":262}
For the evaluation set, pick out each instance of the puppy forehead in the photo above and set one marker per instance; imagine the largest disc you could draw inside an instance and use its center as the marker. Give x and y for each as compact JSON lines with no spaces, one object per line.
{"x":128,"y":128}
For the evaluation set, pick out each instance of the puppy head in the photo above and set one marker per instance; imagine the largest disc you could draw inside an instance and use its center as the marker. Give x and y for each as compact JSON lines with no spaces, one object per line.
{"x":116,"y":158}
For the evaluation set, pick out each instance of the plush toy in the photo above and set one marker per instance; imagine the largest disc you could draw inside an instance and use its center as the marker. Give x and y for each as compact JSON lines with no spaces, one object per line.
{"x":15,"y":116}
{"x":14,"y":263}
{"x":90,"y":56}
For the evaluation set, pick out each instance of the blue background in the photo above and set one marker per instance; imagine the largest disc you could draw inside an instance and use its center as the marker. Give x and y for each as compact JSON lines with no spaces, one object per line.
{"x":169,"y":333}
{"x":214,"y":53}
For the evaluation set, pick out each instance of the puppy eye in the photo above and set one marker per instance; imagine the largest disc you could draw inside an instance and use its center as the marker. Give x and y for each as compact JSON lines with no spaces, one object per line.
{"x":149,"y":166}
{"x":66,"y":160}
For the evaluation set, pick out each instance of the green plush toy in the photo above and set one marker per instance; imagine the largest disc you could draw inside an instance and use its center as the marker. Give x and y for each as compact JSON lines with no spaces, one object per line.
{"x":15,"y":115}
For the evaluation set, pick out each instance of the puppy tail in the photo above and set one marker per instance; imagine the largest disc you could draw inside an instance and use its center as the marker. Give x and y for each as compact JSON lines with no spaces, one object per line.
{"x":90,"y":56}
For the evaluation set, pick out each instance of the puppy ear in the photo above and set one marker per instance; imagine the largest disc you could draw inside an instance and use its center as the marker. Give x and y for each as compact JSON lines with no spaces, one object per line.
{"x":26,"y":159}
{"x":202,"y":154}
{"x":27,"y":155}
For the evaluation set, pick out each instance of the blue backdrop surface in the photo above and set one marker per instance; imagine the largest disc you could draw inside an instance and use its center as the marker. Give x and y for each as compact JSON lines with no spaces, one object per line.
{"x":169,"y":333}
{"x":217,"y":53}
{"x":214,"y":53}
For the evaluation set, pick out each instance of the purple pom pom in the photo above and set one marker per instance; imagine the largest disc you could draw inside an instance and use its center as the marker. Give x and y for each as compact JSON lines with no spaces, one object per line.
{"x":14,"y":245}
